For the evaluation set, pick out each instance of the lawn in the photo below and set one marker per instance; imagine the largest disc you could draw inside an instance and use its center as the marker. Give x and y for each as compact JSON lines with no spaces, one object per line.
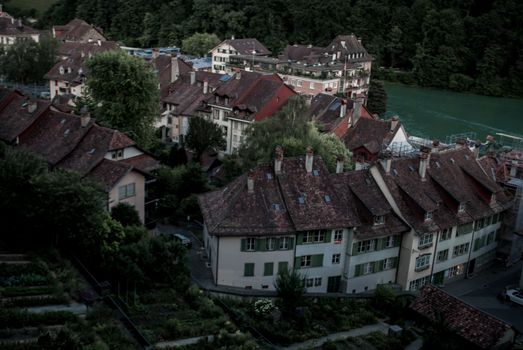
{"x":39,"y":5}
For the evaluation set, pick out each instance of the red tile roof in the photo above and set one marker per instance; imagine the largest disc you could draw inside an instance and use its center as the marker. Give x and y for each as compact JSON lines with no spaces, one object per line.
{"x":373,"y":134}
{"x":109,"y":172}
{"x":76,"y":29}
{"x":473,"y":325}
{"x":15,"y":116}
{"x":249,"y":46}
{"x":143,"y":162}
{"x":14,"y":27}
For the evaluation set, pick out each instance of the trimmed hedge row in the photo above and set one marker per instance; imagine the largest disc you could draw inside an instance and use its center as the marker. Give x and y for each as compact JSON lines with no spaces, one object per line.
{"x":15,"y":318}
{"x":36,"y":301}
{"x":26,"y":291}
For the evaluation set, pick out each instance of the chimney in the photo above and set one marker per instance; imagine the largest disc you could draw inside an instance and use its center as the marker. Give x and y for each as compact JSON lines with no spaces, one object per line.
{"x":477,"y":146}
{"x":99,"y":42}
{"x":513,"y":168}
{"x":359,"y":40}
{"x":394,"y":123}
{"x":356,"y":113}
{"x":85,"y":116}
{"x":309,"y":157}
{"x":82,"y":54}
{"x":423,"y":160}
{"x":156,"y":53}
{"x":175,"y":68}
{"x":193,"y":77}
{"x":460,"y":143}
{"x":232,"y":37}
{"x":250,"y":182}
{"x":31,"y":106}
{"x":90,"y":40}
{"x":435,"y":145}
{"x":205,"y":86}
{"x":278,"y":159}
{"x":19,"y":24}
{"x":386,"y":161}
{"x":343,"y":108}
{"x":340,"y":164}
{"x":238,"y":74}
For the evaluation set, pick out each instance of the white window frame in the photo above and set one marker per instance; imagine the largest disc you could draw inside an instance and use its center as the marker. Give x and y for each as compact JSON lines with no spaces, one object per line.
{"x":445,"y":234}
{"x":338,"y":235}
{"x":425,"y":240}
{"x":428,"y":215}
{"x":284,"y":243}
{"x":387,"y":264}
{"x":336,"y":258}
{"x":368,"y":245}
{"x":422,"y":262}
{"x":379,"y":220}
{"x":250,"y":244}
{"x":442,"y":255}
{"x":390,"y":242}
{"x":306,"y":261}
{"x":127,"y":191}
{"x":462,"y":207}
{"x":317,"y":281}
{"x":270,"y":244}
{"x":367,"y":269}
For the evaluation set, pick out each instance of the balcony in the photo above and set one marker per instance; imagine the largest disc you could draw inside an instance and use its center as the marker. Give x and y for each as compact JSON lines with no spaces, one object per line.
{"x":422,"y":268}
{"x":425,"y":246}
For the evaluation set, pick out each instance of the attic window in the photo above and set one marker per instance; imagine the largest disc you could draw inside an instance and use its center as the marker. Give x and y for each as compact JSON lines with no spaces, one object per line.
{"x":461,"y":207}
{"x":66,"y":132}
{"x":316,"y":172}
{"x":394,"y":172}
{"x":269,"y":176}
{"x":428,"y":215}
{"x":379,"y":220}
{"x":276,"y":207}
{"x":92,"y":151}
{"x":452,"y":160}
{"x":328,"y":199}
{"x":301,"y":200}
{"x":24,"y":104}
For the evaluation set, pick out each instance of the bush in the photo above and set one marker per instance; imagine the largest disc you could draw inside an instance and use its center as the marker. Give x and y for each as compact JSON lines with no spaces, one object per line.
{"x":36,"y":301}
{"x":14,"y":318}
{"x":38,"y":267}
{"x":126,"y":214}
{"x":26,"y":291}
{"x":26,"y":279}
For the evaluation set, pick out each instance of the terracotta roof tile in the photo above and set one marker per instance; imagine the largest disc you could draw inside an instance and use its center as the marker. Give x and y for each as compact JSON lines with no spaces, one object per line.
{"x":109,"y":172}
{"x":15,"y":115}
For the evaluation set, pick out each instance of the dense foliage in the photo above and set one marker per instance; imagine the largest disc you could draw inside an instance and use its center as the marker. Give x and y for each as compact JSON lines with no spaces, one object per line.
{"x":472,"y":45}
{"x":204,"y":134}
{"x":200,"y":43}
{"x":123,"y":94}
{"x":27,"y":61}
{"x":377,"y":102}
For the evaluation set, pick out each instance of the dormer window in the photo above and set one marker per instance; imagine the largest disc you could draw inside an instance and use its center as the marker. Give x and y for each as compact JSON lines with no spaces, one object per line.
{"x":62,"y":70}
{"x":428,"y":215}
{"x":379,"y":220}
{"x":118,"y":154}
{"x":461,"y":208}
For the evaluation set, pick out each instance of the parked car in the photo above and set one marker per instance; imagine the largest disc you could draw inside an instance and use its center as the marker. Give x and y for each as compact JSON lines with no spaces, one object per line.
{"x":186,"y":242}
{"x":515,"y":295}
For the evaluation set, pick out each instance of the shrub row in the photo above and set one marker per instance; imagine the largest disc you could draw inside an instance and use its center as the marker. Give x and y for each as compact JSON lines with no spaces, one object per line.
{"x":15,"y":318}
{"x":26,"y":291}
{"x":36,"y":301}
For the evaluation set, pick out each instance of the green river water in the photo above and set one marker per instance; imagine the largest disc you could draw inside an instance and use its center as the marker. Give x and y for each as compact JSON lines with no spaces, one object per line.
{"x":432,"y":113}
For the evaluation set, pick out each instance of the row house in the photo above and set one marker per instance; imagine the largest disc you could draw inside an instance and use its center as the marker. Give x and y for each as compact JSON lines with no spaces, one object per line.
{"x":13,"y":30}
{"x":341,"y":67}
{"x":454,"y":211}
{"x":351,"y":231}
{"x":77,"y":143}
{"x":67,"y":76}
{"x":78,"y":31}
{"x":222,"y":52}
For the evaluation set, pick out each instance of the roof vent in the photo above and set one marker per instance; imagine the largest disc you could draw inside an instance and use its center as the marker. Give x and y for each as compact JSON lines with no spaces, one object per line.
{"x":301,"y":200}
{"x":316,"y":172}
{"x":66,"y":132}
{"x":328,"y":199}
{"x":92,"y":151}
{"x":452,"y":160}
{"x":62,"y":121}
{"x":276,"y":206}
{"x":269,"y":176}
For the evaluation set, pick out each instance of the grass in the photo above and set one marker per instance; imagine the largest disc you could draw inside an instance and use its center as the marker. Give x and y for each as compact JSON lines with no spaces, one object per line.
{"x":40,"y":5}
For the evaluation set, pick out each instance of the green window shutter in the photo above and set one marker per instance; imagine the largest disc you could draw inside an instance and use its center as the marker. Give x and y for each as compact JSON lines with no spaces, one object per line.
{"x":355,"y":248}
{"x":317,"y":260}
{"x":248,"y":270}
{"x":380,"y":244}
{"x":300,"y":238}
{"x":476,"y":244}
{"x":357,"y":270}
{"x":397,"y":239}
{"x":243,"y":244}
{"x":283,"y":266}
{"x":394,"y":262}
{"x":261,"y":244}
{"x":276,"y":243}
{"x":297,"y":262}
{"x":375,"y":266}
{"x":291,"y":243}
{"x":328,"y":236}
{"x":268,"y":269}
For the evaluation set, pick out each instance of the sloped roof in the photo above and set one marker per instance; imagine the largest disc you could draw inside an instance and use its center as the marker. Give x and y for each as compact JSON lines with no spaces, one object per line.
{"x":248,"y":46}
{"x":70,"y":48}
{"x":370,"y":133}
{"x":473,"y":325}
{"x":143,"y":162}
{"x":15,"y":116}
{"x":76,"y":29}
{"x":109,"y":172}
{"x":13,"y":27}
{"x":164,"y":66}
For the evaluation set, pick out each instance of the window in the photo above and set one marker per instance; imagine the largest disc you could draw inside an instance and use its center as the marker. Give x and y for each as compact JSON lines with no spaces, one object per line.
{"x":250,"y":244}
{"x":425,"y":241}
{"x":284,"y":243}
{"x":305,"y":261}
{"x":490,"y":238}
{"x":215,"y":112}
{"x":309,"y":282}
{"x":480,"y":242}
{"x":456,"y":270}
{"x":283,"y":266}
{"x":422,"y":262}
{"x":268,"y":269}
{"x":298,"y":83}
{"x":336,"y":258}
{"x":270,"y":243}
{"x":443,"y":255}
{"x":117,"y":154}
{"x":317,"y":281}
{"x":464,"y":229}
{"x":311,"y":85}
{"x":126,"y":191}
{"x":388,"y":263}
{"x":445,"y":234}
{"x":338,"y":235}
{"x":248,"y":269}
{"x":428,"y":215}
{"x":461,"y":207}
{"x":314,"y":236}
{"x":420,"y":282}
{"x":389,"y":241}
{"x":461,"y":249}
{"x":379,"y":220}
{"x":367,"y":268}
{"x":366,"y":246}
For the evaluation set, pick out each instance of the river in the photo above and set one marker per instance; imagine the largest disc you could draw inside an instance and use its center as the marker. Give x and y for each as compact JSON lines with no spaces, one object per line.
{"x":432,"y":113}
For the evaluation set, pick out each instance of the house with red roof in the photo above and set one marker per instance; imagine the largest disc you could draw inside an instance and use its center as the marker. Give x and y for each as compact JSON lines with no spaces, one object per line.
{"x":13,"y":30}
{"x":78,"y":30}
{"x":230,"y":47}
{"x":77,"y":143}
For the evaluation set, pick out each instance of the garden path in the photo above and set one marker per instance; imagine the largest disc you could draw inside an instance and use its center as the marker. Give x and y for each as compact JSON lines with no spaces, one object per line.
{"x":182,"y":342}
{"x":75,"y":308}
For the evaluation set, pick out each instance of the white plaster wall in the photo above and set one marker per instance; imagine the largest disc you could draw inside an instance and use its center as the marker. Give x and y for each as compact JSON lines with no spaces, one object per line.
{"x":138,"y":200}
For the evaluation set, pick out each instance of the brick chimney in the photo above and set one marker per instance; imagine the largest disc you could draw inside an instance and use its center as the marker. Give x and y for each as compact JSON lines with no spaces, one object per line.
{"x":175,"y":68}
{"x":99,"y":42}
{"x":435,"y":145}
{"x":394,"y":123}
{"x":205,"y":86}
{"x":156,"y":53}
{"x":238,"y":74}
{"x":356,"y":114}
{"x":343,"y":108}
{"x":513,"y":168}
{"x":250,"y":182}
{"x":278,"y":159}
{"x":340,"y":160}
{"x":309,"y":157}
{"x":477,"y":146}
{"x":423,"y":161}
{"x":31,"y":106}
{"x":85,"y":116}
{"x":460,"y":143}
{"x":386,"y":161}
{"x":193,"y":77}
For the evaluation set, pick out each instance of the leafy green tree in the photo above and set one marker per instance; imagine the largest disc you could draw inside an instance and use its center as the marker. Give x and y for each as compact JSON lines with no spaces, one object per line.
{"x":125,"y":214}
{"x":290,"y":288}
{"x":27,"y":61}
{"x":204,"y":134}
{"x":199,"y":44}
{"x":377,"y":102}
{"x":293,"y":130}
{"x":123,"y":93}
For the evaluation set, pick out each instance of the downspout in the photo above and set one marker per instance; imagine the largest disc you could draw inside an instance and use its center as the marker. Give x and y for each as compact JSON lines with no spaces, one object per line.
{"x":470,"y":251}
{"x":217,"y":260}
{"x":434,"y":257}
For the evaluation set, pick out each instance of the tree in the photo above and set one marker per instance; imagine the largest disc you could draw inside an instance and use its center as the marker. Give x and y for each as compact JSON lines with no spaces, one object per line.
{"x":377,"y":102}
{"x":123,"y":94}
{"x":199,"y":44}
{"x":27,"y":61}
{"x":203,"y":134}
{"x":292,"y":129}
{"x":290,"y":287}
{"x":125,"y":214}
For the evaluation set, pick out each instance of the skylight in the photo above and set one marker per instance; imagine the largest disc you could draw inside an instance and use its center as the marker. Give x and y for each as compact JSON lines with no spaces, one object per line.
{"x":328,"y":199}
{"x":335,"y":105}
{"x":301,"y":200}
{"x":276,"y":206}
{"x":411,"y":168}
{"x":92,"y":151}
{"x":269,"y":176}
{"x":438,"y":165}
{"x":316,"y":172}
{"x":394,"y":172}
